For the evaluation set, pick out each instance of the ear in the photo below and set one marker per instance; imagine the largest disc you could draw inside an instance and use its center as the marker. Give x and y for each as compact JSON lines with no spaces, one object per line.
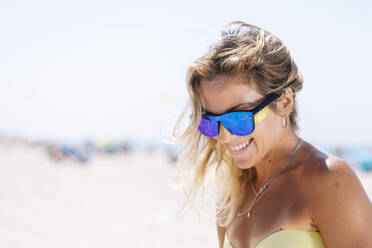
{"x":284,"y":103}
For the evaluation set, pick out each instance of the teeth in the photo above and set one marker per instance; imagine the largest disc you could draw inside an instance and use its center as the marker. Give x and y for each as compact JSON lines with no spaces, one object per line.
{"x":241,"y":146}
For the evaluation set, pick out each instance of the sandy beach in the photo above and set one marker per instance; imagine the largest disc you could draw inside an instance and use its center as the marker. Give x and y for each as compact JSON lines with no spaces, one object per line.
{"x":123,"y":200}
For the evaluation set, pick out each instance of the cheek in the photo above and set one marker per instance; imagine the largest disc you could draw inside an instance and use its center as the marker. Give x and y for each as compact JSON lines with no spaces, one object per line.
{"x":266,"y":126}
{"x":260,"y":116}
{"x":264,"y":121}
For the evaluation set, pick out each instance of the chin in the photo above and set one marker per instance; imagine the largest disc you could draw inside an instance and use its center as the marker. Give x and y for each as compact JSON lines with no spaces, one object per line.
{"x":246,"y":157}
{"x":243,"y":163}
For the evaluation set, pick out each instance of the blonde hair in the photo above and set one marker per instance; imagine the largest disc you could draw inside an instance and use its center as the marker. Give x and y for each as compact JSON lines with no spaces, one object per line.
{"x":266,"y":64}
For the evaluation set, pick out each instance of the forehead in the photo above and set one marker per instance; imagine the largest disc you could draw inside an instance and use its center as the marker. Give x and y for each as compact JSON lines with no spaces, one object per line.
{"x":226,"y":91}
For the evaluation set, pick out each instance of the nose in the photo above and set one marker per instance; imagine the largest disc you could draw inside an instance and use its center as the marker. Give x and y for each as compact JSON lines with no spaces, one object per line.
{"x":224,"y":135}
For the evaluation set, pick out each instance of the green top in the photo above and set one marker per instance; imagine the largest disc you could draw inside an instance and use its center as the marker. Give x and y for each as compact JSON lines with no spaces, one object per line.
{"x":288,"y":238}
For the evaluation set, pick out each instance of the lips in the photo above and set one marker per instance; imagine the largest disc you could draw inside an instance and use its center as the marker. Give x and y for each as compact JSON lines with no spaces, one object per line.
{"x":240,"y":147}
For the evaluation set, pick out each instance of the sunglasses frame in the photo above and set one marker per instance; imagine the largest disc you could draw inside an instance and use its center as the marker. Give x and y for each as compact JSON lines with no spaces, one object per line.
{"x":269,"y":99}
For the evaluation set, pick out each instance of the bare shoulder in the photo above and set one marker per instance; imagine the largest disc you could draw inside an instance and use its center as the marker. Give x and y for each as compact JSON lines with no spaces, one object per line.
{"x":319,"y":169}
{"x":327,"y":174}
{"x":338,"y":203}
{"x":329,"y":170}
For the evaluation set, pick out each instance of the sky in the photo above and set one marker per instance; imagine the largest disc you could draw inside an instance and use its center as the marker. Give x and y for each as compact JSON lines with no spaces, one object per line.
{"x":79,"y":69}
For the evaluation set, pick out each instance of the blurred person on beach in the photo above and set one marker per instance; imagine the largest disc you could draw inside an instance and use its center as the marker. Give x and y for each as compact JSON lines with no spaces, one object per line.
{"x":274,"y":189}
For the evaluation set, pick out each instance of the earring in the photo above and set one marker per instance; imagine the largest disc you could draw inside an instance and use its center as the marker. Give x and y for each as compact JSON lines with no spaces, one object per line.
{"x":284,"y":122}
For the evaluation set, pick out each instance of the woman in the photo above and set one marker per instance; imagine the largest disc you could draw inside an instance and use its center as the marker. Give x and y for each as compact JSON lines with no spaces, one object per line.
{"x":276,"y":190}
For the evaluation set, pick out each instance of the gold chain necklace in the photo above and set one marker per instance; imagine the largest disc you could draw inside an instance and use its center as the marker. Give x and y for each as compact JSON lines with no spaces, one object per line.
{"x":262,"y":190}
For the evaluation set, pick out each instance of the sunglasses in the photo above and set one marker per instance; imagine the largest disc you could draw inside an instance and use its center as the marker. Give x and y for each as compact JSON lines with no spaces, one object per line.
{"x":239,"y":122}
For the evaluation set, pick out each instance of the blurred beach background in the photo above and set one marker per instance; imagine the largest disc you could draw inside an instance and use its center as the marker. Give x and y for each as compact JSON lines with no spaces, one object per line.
{"x":90,"y":91}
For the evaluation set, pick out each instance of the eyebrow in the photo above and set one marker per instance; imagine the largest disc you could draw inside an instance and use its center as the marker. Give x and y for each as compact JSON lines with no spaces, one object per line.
{"x":205,"y":111}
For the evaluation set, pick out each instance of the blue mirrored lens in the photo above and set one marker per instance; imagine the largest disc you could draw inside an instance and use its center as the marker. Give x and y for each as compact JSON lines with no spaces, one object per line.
{"x":238,"y":123}
{"x":208,"y":126}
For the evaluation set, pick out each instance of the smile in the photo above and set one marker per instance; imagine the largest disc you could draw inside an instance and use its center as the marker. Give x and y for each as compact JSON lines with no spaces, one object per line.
{"x":241,"y":146}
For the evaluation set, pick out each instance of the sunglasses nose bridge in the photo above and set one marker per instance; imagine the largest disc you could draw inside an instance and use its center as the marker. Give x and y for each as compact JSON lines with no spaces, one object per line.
{"x":223,"y":134}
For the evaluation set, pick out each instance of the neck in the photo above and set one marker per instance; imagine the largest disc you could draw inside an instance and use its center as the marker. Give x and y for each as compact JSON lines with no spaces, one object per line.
{"x":275,"y":159}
